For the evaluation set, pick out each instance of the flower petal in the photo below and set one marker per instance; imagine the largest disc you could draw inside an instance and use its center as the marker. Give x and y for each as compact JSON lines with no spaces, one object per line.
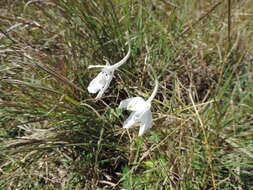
{"x":132,"y":103}
{"x":97,"y":66}
{"x":131,"y":120}
{"x":136,"y":104}
{"x":146,"y":121}
{"x":107,"y":78}
{"x":97,"y":83}
{"x":124,"y":103}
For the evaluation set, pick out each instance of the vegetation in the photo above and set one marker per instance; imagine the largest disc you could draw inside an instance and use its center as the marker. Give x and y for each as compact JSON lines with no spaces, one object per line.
{"x":55,"y":135}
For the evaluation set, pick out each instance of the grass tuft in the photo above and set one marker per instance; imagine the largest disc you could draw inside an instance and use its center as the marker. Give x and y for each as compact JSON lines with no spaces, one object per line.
{"x":55,"y":135}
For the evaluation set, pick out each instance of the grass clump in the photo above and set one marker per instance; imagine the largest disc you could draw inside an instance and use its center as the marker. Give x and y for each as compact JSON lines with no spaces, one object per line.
{"x":54,"y":135}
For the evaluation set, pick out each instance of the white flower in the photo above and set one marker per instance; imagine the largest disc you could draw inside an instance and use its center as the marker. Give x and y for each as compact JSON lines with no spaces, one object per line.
{"x":141,"y":113}
{"x":102,"y":81}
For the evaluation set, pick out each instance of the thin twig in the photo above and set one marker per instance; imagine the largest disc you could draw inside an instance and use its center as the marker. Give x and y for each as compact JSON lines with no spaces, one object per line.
{"x":190,"y":26}
{"x":229,"y":24}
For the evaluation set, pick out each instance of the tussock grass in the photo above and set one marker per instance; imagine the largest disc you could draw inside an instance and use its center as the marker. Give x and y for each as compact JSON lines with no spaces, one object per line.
{"x":54,"y":135}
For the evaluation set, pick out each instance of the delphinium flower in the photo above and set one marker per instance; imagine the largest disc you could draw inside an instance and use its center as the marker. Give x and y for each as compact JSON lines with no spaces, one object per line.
{"x":102,"y":81}
{"x":141,"y":113}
